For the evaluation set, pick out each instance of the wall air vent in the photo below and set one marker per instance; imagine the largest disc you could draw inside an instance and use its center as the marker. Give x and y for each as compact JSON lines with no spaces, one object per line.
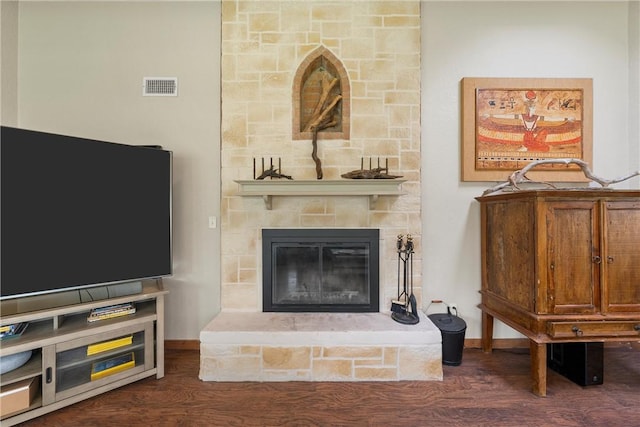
{"x":160,"y":86}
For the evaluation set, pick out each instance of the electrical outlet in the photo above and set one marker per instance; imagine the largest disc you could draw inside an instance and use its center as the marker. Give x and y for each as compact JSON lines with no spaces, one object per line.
{"x":213,"y":223}
{"x":453,"y":307}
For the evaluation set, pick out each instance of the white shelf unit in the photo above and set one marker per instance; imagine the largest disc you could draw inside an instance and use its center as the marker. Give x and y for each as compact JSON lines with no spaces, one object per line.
{"x":60,"y":336}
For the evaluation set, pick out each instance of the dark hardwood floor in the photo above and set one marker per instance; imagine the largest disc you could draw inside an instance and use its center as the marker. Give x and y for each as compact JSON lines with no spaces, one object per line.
{"x":486,"y":390}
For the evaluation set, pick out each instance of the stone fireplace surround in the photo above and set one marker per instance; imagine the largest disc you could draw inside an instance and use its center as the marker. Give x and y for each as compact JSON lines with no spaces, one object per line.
{"x":271,"y":346}
{"x":303,"y":346}
{"x":263,"y":44}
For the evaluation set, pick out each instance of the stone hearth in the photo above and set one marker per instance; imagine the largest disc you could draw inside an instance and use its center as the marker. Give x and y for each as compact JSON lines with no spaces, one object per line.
{"x":318,"y":347}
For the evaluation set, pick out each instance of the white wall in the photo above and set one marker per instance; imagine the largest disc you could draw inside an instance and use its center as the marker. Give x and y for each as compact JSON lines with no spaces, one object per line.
{"x":80,"y":69}
{"x":81,"y":66}
{"x":509,"y":39}
{"x":9,"y":60}
{"x":634,"y":88}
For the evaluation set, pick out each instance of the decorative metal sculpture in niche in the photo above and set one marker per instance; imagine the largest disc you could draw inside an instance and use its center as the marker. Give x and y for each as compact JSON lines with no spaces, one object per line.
{"x":321,"y":101}
{"x":326,"y":113}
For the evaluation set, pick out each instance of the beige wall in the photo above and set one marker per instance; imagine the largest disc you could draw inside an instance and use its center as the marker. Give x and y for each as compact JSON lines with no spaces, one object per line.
{"x":509,"y":39}
{"x":634,"y":85}
{"x":9,"y":58}
{"x":81,"y":66}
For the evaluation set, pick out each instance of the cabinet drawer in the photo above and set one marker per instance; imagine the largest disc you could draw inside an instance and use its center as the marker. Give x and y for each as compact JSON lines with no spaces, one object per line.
{"x":626,"y":328}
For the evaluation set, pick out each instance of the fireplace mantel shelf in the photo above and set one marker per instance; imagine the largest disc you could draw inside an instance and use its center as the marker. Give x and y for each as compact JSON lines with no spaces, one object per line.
{"x":373,"y":188}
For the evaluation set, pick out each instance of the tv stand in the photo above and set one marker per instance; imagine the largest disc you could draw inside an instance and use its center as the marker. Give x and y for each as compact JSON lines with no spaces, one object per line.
{"x":66,"y":348}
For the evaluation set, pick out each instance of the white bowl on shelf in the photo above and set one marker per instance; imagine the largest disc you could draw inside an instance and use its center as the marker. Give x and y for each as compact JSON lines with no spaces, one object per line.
{"x":14,"y":361}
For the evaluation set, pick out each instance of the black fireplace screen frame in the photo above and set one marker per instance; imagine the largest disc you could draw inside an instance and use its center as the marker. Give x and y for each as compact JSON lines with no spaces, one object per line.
{"x":284,"y":237}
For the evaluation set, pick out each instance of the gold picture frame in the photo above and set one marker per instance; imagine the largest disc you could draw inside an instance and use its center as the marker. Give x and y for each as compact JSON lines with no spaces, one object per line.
{"x":509,"y":122}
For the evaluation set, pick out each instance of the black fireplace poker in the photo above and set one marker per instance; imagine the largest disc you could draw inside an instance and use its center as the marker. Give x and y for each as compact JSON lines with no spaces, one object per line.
{"x":404,"y":308}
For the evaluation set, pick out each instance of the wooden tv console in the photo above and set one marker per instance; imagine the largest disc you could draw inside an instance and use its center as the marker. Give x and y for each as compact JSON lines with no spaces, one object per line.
{"x":65,"y":347}
{"x":561,"y":266}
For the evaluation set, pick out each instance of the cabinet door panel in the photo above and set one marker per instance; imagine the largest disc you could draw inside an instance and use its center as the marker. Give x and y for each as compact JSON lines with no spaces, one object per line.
{"x":74,"y":363}
{"x":621,"y":261}
{"x":572,"y":239}
{"x":509,"y":258}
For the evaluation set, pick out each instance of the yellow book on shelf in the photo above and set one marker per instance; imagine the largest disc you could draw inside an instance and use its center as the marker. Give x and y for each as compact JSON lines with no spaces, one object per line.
{"x":109,"y":345}
{"x":112,"y":366}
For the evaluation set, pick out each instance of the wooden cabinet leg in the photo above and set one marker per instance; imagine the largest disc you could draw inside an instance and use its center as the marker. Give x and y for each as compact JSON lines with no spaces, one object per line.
{"x":539,"y":367}
{"x":487,"y":332}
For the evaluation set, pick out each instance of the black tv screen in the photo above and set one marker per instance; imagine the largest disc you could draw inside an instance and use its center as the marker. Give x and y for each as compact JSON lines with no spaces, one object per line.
{"x":78,"y":212}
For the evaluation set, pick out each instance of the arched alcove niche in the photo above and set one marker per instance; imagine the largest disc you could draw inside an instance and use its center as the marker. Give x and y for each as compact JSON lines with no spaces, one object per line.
{"x":312,"y":79}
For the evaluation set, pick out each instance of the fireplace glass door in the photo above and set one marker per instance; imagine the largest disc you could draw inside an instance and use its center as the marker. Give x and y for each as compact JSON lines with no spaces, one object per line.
{"x":320,"y":272}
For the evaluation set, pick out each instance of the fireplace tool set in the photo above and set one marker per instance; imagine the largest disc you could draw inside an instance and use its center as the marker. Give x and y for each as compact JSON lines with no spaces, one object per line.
{"x":404,"y":309}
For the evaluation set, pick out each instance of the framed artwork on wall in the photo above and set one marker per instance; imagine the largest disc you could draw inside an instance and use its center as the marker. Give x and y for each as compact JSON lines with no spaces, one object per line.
{"x":510,"y":122}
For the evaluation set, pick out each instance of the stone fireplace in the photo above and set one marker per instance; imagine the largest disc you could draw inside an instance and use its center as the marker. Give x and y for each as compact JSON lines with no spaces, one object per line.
{"x":375,"y":47}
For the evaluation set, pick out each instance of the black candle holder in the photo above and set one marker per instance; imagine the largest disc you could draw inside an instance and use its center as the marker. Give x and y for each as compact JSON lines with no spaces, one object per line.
{"x":272,"y":172}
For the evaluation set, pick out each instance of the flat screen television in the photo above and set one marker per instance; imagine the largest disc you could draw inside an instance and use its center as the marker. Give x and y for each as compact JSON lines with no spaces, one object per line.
{"x":79,"y":213}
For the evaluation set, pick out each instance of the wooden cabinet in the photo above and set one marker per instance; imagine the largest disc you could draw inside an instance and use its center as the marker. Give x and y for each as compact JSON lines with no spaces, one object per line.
{"x":66,"y":348}
{"x":561,"y":266}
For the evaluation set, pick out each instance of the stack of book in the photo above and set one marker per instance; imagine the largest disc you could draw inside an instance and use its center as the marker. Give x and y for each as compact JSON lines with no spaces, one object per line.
{"x":112,"y":366}
{"x":111,"y":311}
{"x":12,"y":331}
{"x":103,"y":346}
